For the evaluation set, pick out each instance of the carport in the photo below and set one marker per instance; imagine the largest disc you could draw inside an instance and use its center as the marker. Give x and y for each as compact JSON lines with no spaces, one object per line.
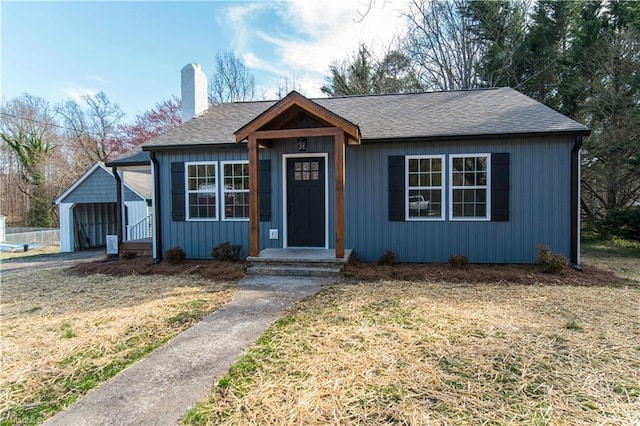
{"x":88,"y":210}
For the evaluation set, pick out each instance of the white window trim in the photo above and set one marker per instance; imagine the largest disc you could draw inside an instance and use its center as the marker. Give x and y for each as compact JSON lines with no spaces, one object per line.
{"x":187,"y":191}
{"x":325,"y":155}
{"x":487,"y":187}
{"x":406,"y":188}
{"x":223,"y":191}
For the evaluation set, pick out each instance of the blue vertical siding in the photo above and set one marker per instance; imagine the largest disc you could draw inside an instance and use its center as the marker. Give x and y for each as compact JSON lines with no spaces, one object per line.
{"x":197,"y":238}
{"x":539,"y":203}
{"x":99,"y":187}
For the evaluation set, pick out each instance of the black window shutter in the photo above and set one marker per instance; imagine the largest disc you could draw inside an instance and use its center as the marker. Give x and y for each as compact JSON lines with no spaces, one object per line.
{"x":177,"y":192}
{"x":500,"y":187}
{"x":265,"y":190}
{"x":396,"y":188}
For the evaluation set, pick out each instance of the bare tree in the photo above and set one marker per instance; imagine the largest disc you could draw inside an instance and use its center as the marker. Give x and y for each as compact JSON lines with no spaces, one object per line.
{"x":27,"y":128}
{"x":441,"y":44}
{"x":232,"y":81}
{"x":93,"y":127}
{"x":286,"y":85}
{"x":611,"y":169}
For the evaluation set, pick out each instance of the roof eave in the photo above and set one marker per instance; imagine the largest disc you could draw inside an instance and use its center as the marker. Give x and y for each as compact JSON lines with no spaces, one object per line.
{"x":193,"y":146}
{"x":477,"y":136}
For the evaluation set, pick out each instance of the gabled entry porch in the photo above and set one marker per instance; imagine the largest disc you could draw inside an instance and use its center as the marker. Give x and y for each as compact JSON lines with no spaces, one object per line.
{"x":306,"y":189}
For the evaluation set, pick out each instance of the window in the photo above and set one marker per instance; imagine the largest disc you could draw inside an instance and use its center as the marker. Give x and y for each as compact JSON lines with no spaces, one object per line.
{"x":306,"y":170}
{"x":425,"y":187}
{"x":470,"y":179}
{"x":202,"y":191}
{"x":235,"y":190}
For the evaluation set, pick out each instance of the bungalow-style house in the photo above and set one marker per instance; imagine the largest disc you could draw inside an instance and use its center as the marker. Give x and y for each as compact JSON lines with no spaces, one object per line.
{"x":88,"y":209}
{"x":488,"y":174}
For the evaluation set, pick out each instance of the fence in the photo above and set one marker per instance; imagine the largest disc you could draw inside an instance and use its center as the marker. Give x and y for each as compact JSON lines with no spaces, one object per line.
{"x":47,"y":237}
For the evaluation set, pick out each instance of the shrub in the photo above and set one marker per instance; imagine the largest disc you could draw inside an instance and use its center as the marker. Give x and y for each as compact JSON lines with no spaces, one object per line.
{"x":550,"y":262}
{"x":226,"y":252}
{"x":175,"y":255}
{"x":458,"y":261}
{"x":623,"y":223}
{"x":388,"y":258}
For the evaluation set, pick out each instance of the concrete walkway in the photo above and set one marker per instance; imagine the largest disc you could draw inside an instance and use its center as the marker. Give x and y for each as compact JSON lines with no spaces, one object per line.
{"x":54,"y":260}
{"x":160,"y":389}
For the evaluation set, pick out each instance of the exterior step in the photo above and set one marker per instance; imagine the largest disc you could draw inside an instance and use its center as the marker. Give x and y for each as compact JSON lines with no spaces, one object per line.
{"x":293,"y":271}
{"x":139,"y":246}
{"x":297,"y":262}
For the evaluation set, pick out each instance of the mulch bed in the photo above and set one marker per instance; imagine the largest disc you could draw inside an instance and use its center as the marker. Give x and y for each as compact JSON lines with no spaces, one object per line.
{"x":511,"y":274}
{"x":369,"y":272}
{"x":143,"y":265}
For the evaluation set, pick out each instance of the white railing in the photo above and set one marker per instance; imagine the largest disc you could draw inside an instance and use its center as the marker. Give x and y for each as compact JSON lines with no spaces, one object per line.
{"x":139,"y":230}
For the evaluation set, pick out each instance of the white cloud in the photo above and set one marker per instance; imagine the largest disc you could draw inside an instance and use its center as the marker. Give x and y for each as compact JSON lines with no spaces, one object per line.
{"x":252,"y":61}
{"x":76,"y":92}
{"x":321,"y":32}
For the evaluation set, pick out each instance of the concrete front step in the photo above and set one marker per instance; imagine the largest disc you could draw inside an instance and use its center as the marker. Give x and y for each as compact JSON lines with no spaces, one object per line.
{"x":294,"y":271}
{"x":297,"y":262}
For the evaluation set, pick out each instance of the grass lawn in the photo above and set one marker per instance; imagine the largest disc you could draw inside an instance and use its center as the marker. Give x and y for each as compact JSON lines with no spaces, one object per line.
{"x":63,"y":333}
{"x":31,"y":252}
{"x":445,"y":351}
{"x":617,"y":255}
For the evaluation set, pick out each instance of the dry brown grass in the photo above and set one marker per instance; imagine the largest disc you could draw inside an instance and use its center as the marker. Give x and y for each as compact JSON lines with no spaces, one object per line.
{"x":440,"y":353}
{"x":63,"y":333}
{"x":39,"y":251}
{"x":618,"y":256}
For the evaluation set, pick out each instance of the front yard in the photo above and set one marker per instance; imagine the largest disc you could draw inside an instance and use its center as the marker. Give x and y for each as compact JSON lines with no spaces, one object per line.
{"x":411,"y":344}
{"x":62,"y":334}
{"x":445,"y":351}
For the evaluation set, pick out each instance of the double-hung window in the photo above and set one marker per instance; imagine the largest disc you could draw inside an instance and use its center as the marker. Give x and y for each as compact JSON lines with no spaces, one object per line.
{"x":235,"y":190}
{"x":202,"y":190}
{"x":470,"y":180}
{"x":425,"y":187}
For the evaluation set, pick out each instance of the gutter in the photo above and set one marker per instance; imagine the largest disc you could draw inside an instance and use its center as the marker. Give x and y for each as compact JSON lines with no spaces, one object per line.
{"x":118,"y":203}
{"x":157,"y":237}
{"x":575,"y":203}
{"x":477,"y":136}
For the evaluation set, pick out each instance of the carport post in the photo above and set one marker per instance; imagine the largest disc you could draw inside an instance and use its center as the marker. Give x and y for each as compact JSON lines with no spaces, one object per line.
{"x":119,"y":204}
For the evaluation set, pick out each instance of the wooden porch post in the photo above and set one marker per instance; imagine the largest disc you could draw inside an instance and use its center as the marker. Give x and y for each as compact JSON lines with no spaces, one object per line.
{"x":339,"y":192}
{"x":254,"y":199}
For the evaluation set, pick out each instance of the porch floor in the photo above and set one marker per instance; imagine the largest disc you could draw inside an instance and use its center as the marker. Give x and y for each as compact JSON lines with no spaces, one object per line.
{"x":302,"y":255}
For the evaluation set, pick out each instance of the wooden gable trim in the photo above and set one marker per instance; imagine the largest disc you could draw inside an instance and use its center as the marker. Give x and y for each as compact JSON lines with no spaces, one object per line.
{"x":293,"y":100}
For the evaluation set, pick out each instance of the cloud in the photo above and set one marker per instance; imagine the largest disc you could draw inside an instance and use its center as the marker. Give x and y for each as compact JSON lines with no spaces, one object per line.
{"x":308,"y":35}
{"x":76,"y":92}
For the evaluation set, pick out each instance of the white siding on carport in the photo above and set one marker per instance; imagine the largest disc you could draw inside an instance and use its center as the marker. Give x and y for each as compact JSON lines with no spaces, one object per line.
{"x":66,"y":227}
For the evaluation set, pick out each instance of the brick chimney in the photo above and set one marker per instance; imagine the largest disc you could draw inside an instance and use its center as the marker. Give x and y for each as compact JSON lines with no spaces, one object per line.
{"x":194,"y":91}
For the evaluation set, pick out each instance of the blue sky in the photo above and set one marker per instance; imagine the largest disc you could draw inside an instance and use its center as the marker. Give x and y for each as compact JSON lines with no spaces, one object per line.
{"x":133,"y":51}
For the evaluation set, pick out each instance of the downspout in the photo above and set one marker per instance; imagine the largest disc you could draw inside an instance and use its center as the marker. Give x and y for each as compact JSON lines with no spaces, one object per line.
{"x":118,"y":203}
{"x":157,"y":237}
{"x":575,"y":203}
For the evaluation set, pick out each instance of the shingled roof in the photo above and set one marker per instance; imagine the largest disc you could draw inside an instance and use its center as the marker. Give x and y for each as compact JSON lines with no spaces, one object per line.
{"x":431,"y":115}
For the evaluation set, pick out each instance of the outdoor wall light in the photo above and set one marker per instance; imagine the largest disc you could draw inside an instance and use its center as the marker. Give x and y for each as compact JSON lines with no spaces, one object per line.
{"x":302,"y":144}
